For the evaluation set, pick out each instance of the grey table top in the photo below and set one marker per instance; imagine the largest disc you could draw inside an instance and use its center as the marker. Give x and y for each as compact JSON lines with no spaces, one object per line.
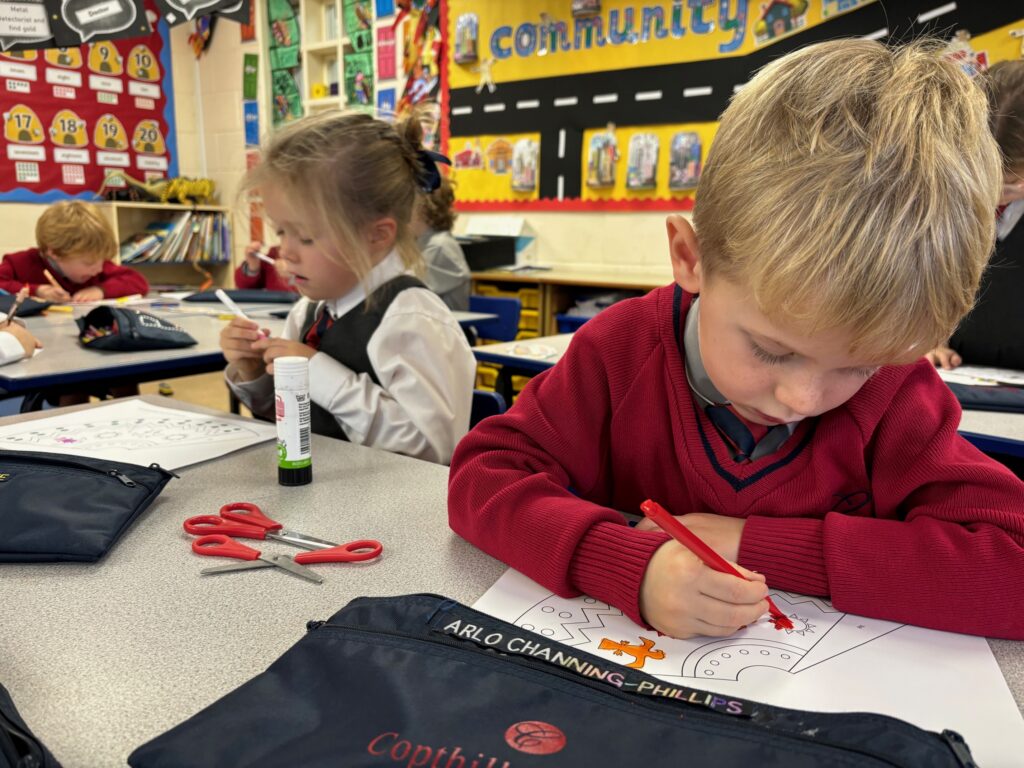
{"x":63,"y":354}
{"x":100,"y":658}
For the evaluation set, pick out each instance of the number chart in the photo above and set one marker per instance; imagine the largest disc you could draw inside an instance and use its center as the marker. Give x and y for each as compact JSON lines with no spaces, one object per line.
{"x":70,"y":115}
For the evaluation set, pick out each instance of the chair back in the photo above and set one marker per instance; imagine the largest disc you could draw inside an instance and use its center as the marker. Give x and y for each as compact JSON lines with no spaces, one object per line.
{"x":506,"y":326}
{"x":485,"y":404}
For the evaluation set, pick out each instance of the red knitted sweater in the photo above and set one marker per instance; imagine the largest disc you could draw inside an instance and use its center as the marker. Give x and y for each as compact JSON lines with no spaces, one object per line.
{"x":23,"y":267}
{"x":878,"y":504}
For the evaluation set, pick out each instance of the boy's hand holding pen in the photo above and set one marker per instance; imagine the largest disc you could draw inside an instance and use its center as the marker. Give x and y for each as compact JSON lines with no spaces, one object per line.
{"x":686,"y":592}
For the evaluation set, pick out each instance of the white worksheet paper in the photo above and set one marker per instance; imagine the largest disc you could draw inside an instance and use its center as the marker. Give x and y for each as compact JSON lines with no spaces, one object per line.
{"x":830,"y":662}
{"x":137,"y":432}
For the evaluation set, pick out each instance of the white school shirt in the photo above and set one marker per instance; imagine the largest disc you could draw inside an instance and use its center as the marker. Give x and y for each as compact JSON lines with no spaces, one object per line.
{"x":10,"y":348}
{"x":420,"y":355}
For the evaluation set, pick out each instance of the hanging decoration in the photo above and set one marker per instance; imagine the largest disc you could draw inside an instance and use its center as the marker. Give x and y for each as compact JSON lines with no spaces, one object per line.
{"x":200,"y":38}
{"x":421,"y":60}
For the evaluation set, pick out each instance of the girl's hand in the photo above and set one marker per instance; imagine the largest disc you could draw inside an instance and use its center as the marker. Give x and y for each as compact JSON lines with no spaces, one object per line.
{"x":681,"y":597}
{"x":53,"y":293}
{"x":238,"y":341}
{"x":28,"y":342}
{"x":95,"y":293}
{"x":275,"y":348}
{"x":944,"y":357}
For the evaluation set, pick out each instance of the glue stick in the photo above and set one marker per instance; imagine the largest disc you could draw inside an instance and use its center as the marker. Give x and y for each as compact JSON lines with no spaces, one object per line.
{"x":292,"y":407}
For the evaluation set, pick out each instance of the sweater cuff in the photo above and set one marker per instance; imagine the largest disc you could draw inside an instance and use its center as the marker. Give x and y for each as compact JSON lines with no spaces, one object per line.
{"x":610,"y":562}
{"x":790,"y":552}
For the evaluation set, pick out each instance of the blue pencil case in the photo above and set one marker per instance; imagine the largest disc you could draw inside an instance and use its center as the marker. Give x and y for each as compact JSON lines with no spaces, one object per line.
{"x":1005,"y":399}
{"x":251,"y":296}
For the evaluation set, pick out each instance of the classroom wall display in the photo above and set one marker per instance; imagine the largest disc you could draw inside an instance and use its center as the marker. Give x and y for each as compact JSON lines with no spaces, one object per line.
{"x":285,"y":64}
{"x":504,"y":166}
{"x":387,"y":63}
{"x":71,"y":114}
{"x":386,"y":103}
{"x":357,"y":20}
{"x":565,"y":71}
{"x":359,"y":80}
{"x":421,"y":52}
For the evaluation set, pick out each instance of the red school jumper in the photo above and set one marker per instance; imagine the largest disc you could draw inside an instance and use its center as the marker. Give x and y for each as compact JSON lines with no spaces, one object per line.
{"x":22,"y":267}
{"x":878,"y":504}
{"x":267,"y":278}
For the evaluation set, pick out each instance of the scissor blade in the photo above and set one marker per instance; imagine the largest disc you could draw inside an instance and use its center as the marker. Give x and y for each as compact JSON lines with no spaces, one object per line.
{"x":243,"y":566}
{"x":291,"y":566}
{"x":300,"y":539}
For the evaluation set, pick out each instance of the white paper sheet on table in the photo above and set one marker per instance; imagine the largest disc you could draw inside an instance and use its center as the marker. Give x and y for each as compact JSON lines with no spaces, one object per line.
{"x":137,"y":432}
{"x":978,"y":375}
{"x":830,"y":662}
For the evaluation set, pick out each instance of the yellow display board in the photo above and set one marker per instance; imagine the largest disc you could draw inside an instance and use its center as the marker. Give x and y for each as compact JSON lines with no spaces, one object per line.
{"x":483,"y":167}
{"x":623,"y":138}
{"x":529,"y":39}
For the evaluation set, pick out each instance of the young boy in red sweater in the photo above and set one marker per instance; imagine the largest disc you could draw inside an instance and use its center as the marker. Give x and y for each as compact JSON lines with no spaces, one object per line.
{"x":770,"y":397}
{"x":75,"y":245}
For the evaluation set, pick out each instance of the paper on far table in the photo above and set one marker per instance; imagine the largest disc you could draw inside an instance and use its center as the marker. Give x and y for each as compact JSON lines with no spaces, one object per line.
{"x":978,"y":375}
{"x":830,"y":662}
{"x":137,"y":432}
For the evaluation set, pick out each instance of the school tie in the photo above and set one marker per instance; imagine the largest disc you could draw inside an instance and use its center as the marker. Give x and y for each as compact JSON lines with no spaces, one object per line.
{"x":316,"y":331}
{"x":739,"y":437}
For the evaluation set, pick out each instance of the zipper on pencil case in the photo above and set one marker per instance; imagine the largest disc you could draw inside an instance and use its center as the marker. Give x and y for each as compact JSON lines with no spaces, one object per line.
{"x":675,"y":711}
{"x":28,"y":457}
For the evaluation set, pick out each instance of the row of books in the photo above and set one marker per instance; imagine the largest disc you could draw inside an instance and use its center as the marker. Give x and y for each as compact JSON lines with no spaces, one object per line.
{"x":191,"y":236}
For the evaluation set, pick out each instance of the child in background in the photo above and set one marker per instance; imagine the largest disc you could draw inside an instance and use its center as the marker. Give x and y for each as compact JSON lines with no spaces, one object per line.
{"x":775,"y":397}
{"x":389,"y":366}
{"x":993,"y":333}
{"x":447,"y":270}
{"x":75,"y":244}
{"x":254,"y":273}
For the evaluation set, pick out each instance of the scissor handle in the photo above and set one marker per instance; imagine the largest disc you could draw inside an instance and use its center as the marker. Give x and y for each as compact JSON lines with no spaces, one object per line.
{"x":201,"y":525}
{"x":250,"y":514}
{"x":219,"y":545}
{"x":354,"y":551}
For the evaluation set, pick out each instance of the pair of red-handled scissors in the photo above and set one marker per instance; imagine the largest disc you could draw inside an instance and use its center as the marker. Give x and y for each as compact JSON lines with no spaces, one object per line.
{"x":353,"y":552}
{"x":247,"y":521}
{"x":219,"y":545}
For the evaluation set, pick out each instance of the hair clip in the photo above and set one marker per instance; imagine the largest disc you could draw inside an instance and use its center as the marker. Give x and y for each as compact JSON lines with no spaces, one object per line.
{"x":430,"y":178}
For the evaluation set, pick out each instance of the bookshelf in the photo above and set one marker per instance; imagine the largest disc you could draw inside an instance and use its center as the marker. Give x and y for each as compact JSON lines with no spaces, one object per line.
{"x":324,"y":43}
{"x":177,"y":267}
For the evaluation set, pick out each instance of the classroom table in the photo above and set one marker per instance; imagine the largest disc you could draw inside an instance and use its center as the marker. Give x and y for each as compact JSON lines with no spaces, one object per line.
{"x":64,"y":363}
{"x":100,"y":658}
{"x":466,"y":319}
{"x":989,"y":431}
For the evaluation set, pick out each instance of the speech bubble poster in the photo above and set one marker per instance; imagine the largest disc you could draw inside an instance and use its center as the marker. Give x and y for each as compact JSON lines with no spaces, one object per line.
{"x":74,"y":22}
{"x":72,"y":114}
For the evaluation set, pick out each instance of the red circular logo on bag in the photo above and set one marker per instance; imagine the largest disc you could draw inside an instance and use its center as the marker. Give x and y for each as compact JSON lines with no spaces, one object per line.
{"x":535,"y":738}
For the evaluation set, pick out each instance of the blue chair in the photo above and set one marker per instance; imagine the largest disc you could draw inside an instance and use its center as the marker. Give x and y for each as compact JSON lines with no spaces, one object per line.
{"x":485,"y":404}
{"x":506,"y":326}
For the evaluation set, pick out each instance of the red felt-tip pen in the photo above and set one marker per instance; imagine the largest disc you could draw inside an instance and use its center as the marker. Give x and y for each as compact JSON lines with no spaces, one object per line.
{"x":664,"y":520}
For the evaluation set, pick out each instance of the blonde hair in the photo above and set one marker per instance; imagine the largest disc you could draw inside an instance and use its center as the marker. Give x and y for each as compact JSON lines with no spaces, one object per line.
{"x":852,"y":186}
{"x":75,"y":228}
{"x":351,"y":170}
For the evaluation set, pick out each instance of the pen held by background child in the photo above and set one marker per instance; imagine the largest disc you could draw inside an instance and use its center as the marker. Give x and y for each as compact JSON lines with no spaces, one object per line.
{"x":19,"y":299}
